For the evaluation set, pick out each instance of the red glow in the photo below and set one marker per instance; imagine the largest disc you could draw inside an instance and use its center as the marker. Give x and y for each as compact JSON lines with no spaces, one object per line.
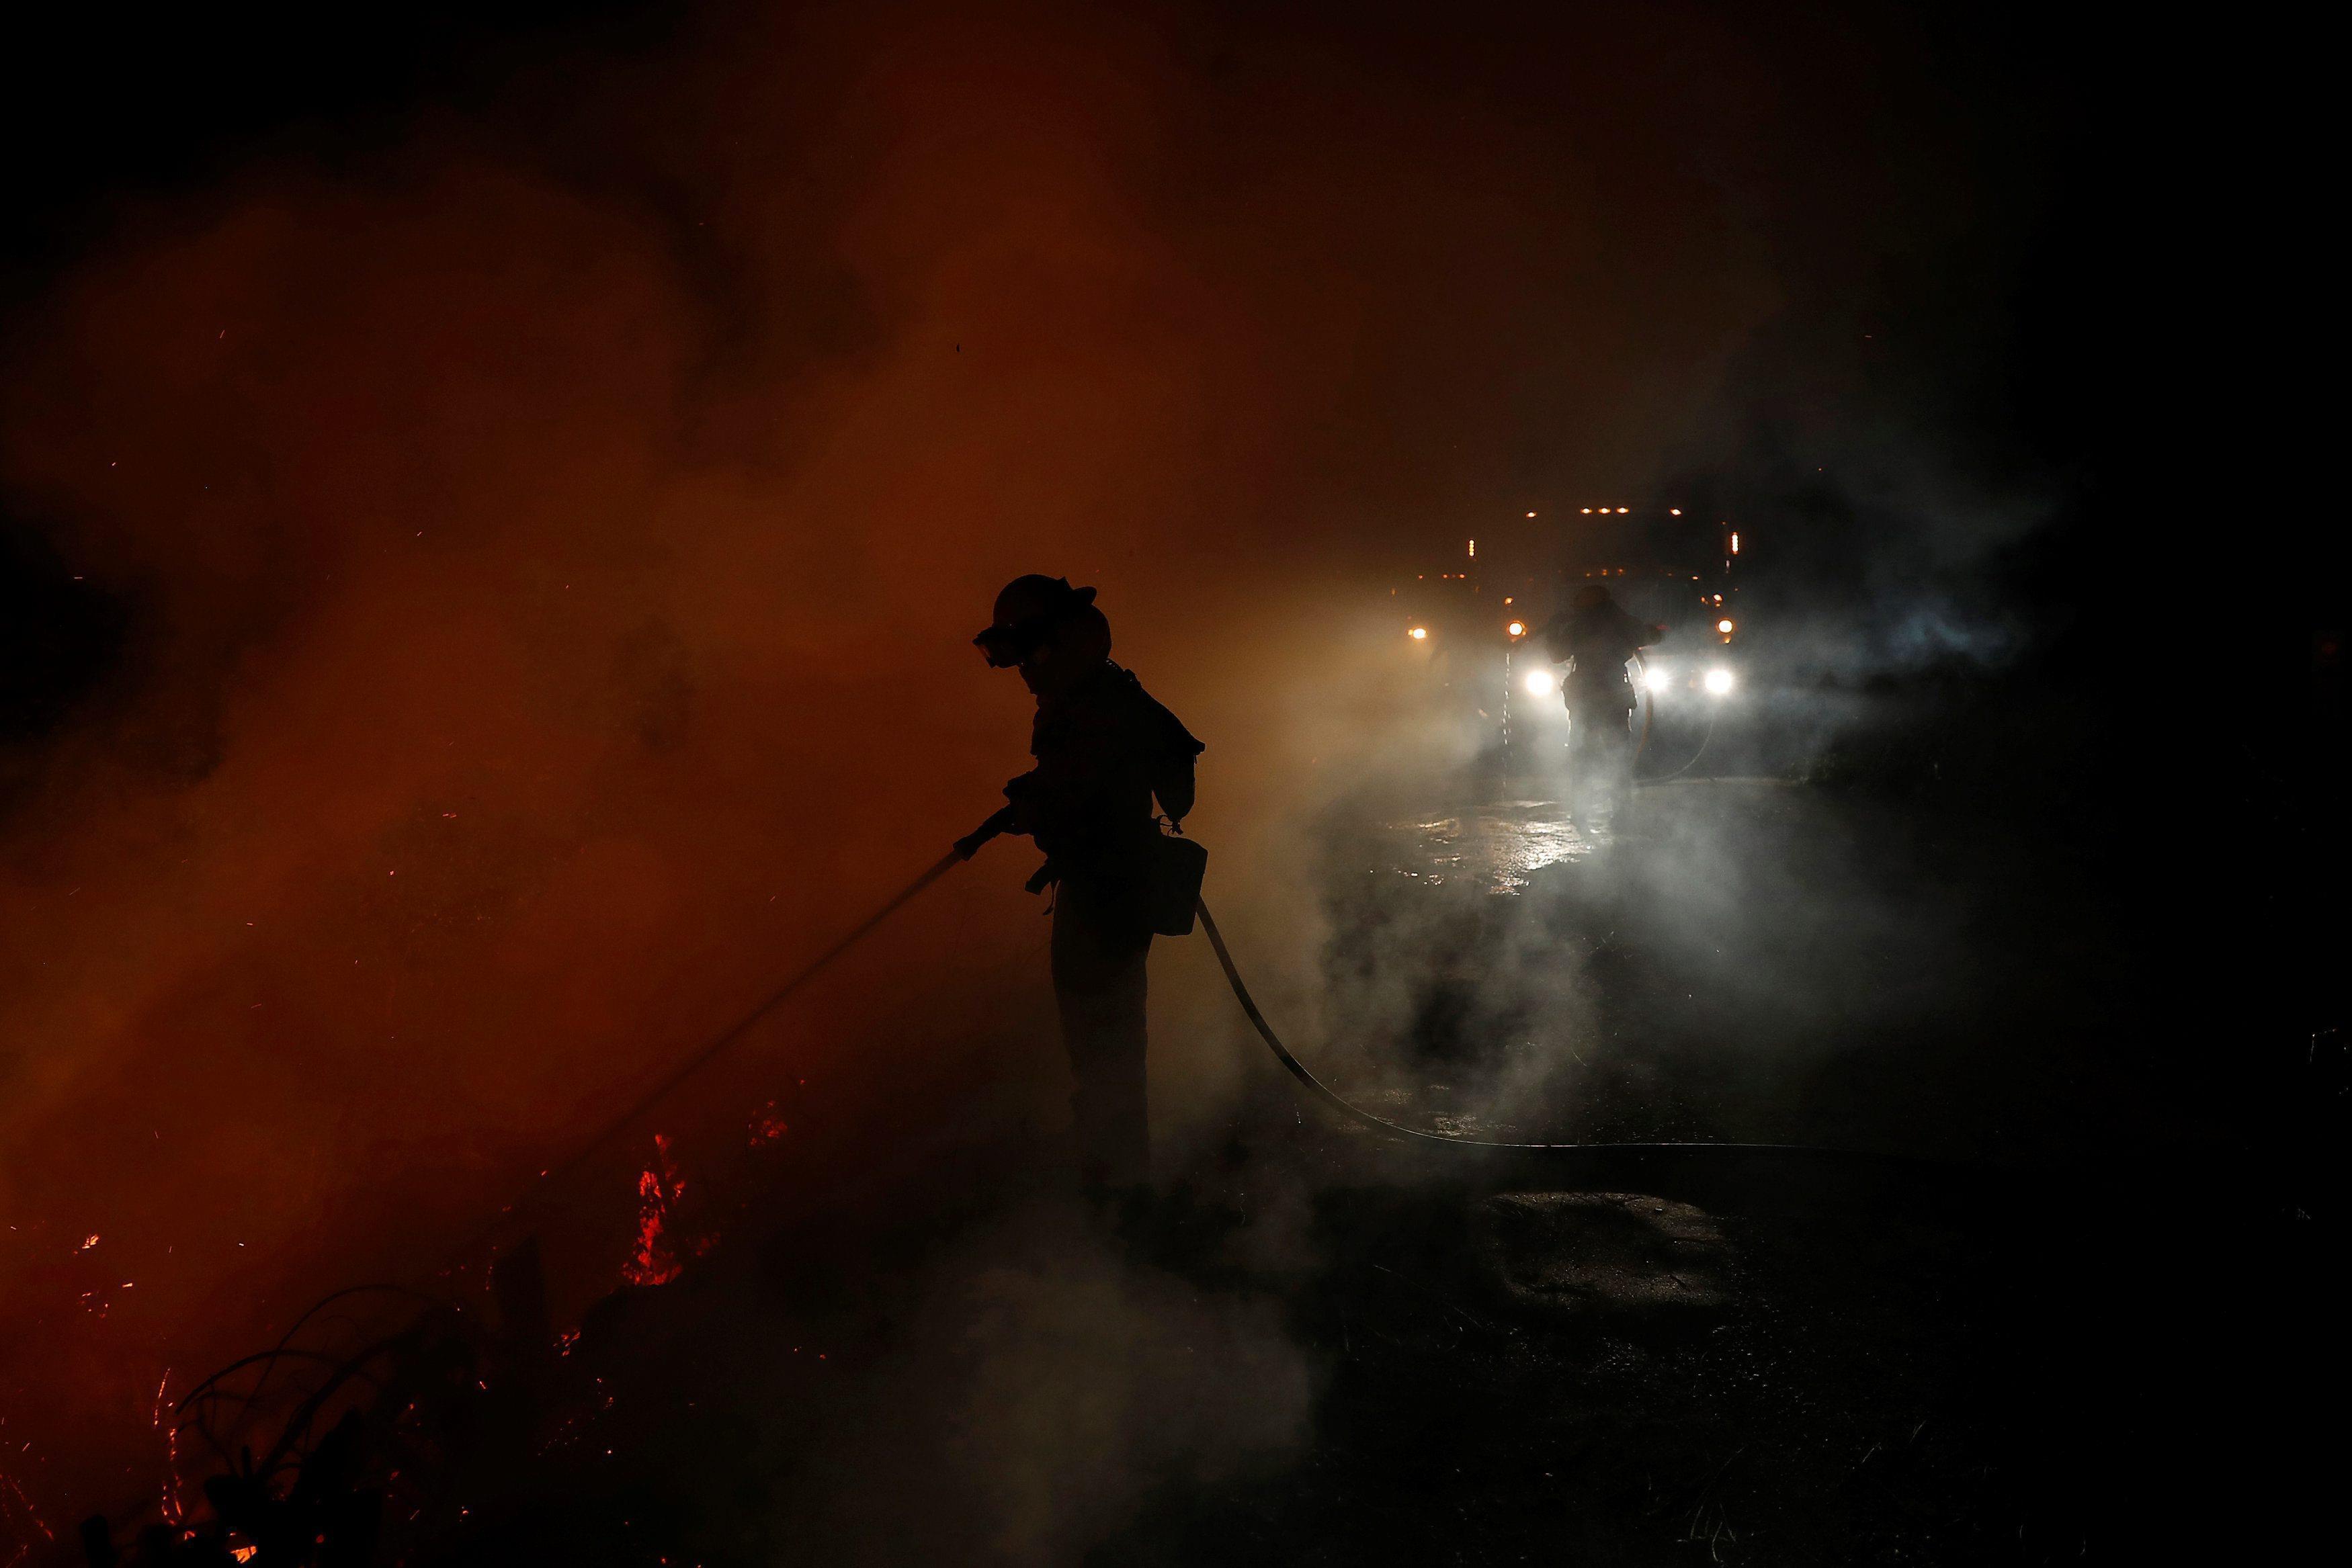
{"x":655,"y":1261}
{"x":512,"y":601}
{"x":15,"y":1505}
{"x":174,"y":1513}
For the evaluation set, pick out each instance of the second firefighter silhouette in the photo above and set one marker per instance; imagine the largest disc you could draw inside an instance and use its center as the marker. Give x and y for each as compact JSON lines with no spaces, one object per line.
{"x":1596,"y":639}
{"x":1105,"y":749}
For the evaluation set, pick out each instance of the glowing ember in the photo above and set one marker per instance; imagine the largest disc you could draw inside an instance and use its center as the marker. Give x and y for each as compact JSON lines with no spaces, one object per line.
{"x":767,"y":1127}
{"x":655,"y":1261}
{"x":174,"y":1514}
{"x":15,"y":1505}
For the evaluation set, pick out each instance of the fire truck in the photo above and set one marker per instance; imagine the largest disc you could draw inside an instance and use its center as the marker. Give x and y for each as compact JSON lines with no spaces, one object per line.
{"x":1476,"y":624}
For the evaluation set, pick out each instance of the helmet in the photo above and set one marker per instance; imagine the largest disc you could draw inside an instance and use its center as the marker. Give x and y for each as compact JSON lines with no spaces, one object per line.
{"x":1592,"y":596}
{"x":1028,"y":612}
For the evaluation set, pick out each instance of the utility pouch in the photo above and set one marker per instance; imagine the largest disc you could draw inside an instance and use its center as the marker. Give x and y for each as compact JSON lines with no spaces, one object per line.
{"x":1171,"y":883}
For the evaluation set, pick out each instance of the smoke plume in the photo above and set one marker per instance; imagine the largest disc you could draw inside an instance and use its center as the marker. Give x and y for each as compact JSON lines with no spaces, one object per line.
{"x":540,"y":551}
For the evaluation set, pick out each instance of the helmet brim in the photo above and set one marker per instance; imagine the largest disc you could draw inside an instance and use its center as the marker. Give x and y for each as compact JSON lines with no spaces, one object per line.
{"x":1007,"y":644}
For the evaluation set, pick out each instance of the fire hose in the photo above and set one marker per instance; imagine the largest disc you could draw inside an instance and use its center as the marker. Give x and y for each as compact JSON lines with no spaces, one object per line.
{"x":963,"y":850}
{"x":556,"y":1174}
{"x":1649,"y":718}
{"x":1321,"y":1091}
{"x":1314,"y":1087}
{"x":1649,"y":706}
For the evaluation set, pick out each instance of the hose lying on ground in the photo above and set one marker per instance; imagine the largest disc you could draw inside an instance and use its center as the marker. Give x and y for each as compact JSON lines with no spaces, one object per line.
{"x":1703,"y":743}
{"x":1649,"y":718}
{"x":1314,"y":1086}
{"x":297,"y":1431}
{"x":1326,"y":1095}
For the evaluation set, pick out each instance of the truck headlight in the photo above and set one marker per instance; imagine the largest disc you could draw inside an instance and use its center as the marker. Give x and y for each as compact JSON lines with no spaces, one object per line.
{"x":1718,"y":682}
{"x":1539,"y":682}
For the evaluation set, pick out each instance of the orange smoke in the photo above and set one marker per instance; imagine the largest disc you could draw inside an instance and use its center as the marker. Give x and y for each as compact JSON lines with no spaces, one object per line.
{"x":550,"y":548}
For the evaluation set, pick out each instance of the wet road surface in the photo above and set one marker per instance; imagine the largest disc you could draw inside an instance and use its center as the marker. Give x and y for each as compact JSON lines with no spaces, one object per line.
{"x":1736,"y":959}
{"x":1493,"y":849}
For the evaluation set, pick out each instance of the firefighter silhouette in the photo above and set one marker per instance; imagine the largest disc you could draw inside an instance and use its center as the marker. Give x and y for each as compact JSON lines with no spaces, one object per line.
{"x":1105,"y":750}
{"x":1595,"y":638}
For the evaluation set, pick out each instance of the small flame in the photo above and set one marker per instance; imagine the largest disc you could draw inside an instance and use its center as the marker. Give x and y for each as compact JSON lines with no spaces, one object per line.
{"x":655,"y":1261}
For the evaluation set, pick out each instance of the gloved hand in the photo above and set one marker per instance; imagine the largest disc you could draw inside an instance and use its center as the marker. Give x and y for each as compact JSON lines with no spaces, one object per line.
{"x":968,"y":845}
{"x":1025,"y":800}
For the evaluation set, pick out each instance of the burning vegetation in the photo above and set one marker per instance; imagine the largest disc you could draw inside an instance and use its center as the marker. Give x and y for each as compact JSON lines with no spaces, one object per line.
{"x":390,"y":1425}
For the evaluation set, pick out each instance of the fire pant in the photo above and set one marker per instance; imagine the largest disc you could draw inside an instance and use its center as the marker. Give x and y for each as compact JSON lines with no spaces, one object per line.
{"x":1099,"y":948}
{"x":1601,"y":746}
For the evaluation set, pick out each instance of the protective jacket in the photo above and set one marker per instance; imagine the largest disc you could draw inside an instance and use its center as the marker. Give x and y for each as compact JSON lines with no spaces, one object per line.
{"x":1598,"y":638}
{"x":1105,"y":749}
